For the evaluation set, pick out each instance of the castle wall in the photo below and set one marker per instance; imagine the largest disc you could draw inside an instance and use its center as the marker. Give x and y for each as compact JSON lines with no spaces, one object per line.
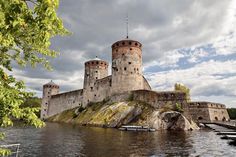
{"x":159,"y":99}
{"x":155,"y":99}
{"x":64,"y":101}
{"x":208,"y":111}
{"x":102,"y":89}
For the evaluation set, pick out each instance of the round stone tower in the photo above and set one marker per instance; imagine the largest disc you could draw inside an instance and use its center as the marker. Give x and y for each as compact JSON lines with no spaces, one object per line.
{"x":94,"y":69}
{"x":126,"y":66}
{"x":49,"y":89}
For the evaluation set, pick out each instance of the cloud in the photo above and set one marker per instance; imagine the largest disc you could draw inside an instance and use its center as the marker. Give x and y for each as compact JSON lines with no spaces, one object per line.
{"x":211,"y":78}
{"x":181,"y":41}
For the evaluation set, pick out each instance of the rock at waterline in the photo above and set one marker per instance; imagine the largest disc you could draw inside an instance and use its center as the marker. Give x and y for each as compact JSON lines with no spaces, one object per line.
{"x":171,"y":120}
{"x":122,"y":113}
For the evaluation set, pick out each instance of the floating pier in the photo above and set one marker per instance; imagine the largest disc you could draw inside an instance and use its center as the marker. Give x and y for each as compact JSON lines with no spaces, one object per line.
{"x":229,"y":137}
{"x":136,"y":128}
{"x":228,"y":133}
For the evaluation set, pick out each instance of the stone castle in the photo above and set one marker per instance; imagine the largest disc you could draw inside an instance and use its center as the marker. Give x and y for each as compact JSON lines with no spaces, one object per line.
{"x":126,"y":82}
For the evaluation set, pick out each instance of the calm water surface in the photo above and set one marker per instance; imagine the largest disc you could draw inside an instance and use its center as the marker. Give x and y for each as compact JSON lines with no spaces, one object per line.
{"x":62,"y":140}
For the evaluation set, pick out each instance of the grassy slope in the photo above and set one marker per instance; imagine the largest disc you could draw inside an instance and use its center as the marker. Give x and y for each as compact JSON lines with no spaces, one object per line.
{"x":103,"y":114}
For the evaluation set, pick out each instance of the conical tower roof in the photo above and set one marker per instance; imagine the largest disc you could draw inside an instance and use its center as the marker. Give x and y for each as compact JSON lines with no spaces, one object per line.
{"x":51,"y":84}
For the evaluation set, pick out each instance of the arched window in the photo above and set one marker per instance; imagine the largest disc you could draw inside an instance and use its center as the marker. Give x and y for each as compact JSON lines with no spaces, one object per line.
{"x":223,"y":119}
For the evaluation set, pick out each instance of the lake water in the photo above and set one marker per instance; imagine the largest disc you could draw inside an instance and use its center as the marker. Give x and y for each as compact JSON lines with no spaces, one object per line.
{"x":64,"y":140}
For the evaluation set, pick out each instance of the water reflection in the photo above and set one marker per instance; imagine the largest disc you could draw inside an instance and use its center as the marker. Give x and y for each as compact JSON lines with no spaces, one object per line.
{"x":59,"y":140}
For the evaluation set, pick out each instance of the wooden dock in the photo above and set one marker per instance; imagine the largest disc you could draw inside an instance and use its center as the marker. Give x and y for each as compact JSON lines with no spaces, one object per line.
{"x":229,"y":137}
{"x":228,"y":133}
{"x":136,"y":128}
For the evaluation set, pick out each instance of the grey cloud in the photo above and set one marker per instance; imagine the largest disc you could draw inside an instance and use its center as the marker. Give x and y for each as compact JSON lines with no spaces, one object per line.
{"x":213,"y":90}
{"x":96,"y":24}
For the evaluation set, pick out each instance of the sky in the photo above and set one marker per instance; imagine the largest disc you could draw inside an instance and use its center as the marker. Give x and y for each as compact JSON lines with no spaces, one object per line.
{"x":186,"y":41}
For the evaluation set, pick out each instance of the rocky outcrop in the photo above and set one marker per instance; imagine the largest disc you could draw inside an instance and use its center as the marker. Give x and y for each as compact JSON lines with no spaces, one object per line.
{"x":176,"y":121}
{"x":170,"y":120}
{"x":122,"y":113}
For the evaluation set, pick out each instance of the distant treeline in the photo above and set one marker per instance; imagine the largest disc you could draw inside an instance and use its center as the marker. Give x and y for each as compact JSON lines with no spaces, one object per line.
{"x":32,"y":102}
{"x":232,"y":113}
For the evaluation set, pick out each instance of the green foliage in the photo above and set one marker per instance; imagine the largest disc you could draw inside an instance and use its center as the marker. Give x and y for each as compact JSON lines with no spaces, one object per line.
{"x":2,"y":135}
{"x":32,"y":102}
{"x":78,"y":111}
{"x":12,"y":95}
{"x":232,"y":113}
{"x":178,"y":108}
{"x":81,"y":109}
{"x":183,"y":88}
{"x":167,"y":107}
{"x":26,"y":28}
{"x":105,"y":100}
{"x":131,"y":97}
{"x":5,"y":152}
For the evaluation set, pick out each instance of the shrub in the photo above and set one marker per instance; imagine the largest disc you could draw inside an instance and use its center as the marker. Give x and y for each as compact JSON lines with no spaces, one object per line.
{"x":232,"y":113}
{"x":81,"y":109}
{"x":131,"y":97}
{"x":184,"y":89}
{"x":167,"y":107}
{"x":178,"y":108}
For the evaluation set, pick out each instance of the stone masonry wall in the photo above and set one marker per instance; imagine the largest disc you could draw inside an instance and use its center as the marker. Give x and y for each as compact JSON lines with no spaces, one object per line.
{"x":155,"y":99}
{"x":102,"y":89}
{"x":159,"y":99}
{"x":64,"y":101}
{"x":208,"y":111}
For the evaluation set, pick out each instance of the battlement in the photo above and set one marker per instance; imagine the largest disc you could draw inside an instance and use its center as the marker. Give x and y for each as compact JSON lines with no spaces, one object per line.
{"x":103,"y":80}
{"x":96,"y":64}
{"x":78,"y":92}
{"x":126,"y":43}
{"x":51,"y":85}
{"x":205,"y":104}
{"x":154,"y":96}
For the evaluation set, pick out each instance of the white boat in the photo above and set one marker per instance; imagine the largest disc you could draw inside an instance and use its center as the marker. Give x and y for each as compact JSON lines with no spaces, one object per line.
{"x":136,"y":128}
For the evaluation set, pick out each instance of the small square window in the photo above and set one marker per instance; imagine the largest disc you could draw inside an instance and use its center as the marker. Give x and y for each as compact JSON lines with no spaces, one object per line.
{"x":129,"y":62}
{"x":124,"y":68}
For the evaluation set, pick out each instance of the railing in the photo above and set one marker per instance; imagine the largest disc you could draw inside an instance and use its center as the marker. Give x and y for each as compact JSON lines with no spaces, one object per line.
{"x":11,"y":147}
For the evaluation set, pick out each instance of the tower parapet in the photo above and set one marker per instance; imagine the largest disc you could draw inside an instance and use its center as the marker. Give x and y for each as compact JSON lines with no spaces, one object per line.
{"x":94,"y":69}
{"x":49,"y":89}
{"x":126,"y":66}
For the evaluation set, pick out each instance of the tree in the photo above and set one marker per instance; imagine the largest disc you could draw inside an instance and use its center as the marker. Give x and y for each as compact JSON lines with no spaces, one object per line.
{"x":232,"y":113}
{"x":26,"y":27}
{"x":183,"y":88}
